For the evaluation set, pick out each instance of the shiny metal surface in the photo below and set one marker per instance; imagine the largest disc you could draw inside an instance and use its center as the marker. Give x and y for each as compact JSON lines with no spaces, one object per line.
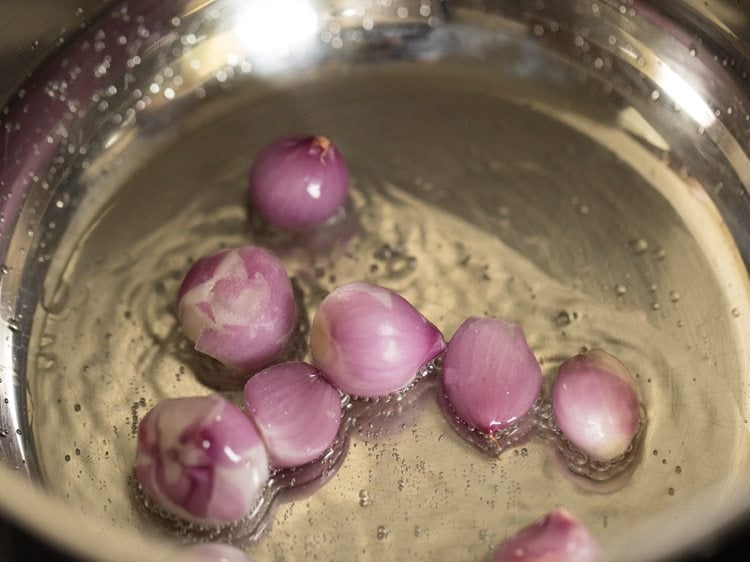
{"x":580,"y":168}
{"x":31,"y":30}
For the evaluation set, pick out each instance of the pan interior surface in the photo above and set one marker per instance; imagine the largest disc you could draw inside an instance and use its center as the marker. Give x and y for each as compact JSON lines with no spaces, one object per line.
{"x":491,"y":174}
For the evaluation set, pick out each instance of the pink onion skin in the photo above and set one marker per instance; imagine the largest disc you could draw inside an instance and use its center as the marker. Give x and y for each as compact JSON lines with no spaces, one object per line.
{"x":595,"y":404}
{"x":297,"y":412}
{"x":490,"y":375}
{"x":238,"y":307}
{"x":559,"y":537}
{"x":369,"y":341}
{"x":212,"y":552}
{"x":201,"y":459}
{"x":297,"y":183}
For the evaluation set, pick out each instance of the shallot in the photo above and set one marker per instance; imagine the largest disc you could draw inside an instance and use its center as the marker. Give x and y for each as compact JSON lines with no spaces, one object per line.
{"x":490,"y":375}
{"x":595,"y":404}
{"x":298,"y":182}
{"x":238,"y":307}
{"x":559,"y":537}
{"x":201,"y":459}
{"x":297,"y":412}
{"x":369,"y":341}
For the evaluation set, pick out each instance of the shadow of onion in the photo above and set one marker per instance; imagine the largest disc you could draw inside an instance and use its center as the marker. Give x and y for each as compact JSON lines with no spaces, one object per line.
{"x":599,"y":482}
{"x":603,"y":477}
{"x":329,"y":239}
{"x":298,"y":483}
{"x":493,"y":444}
{"x":390,"y":414}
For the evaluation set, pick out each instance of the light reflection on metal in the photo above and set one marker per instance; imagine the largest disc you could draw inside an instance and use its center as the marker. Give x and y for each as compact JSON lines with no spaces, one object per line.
{"x":268,"y":27}
{"x":684,"y":95}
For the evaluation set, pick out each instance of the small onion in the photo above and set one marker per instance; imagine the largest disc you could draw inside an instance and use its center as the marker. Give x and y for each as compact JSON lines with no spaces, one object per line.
{"x":212,"y":552}
{"x":238,"y":307}
{"x":559,"y":537}
{"x":490,"y":375}
{"x":595,"y":404}
{"x":298,"y":182}
{"x":369,"y":341}
{"x":297,"y":412}
{"x":201,"y":459}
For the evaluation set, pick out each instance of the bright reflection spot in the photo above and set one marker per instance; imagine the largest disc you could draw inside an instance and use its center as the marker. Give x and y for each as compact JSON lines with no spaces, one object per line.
{"x":231,"y":454}
{"x":268,"y":26}
{"x":685,"y":96}
{"x":112,"y":140}
{"x":313,"y":188}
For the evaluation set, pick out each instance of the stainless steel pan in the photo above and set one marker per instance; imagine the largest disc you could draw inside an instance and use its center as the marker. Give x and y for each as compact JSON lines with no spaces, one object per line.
{"x":579,"y":167}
